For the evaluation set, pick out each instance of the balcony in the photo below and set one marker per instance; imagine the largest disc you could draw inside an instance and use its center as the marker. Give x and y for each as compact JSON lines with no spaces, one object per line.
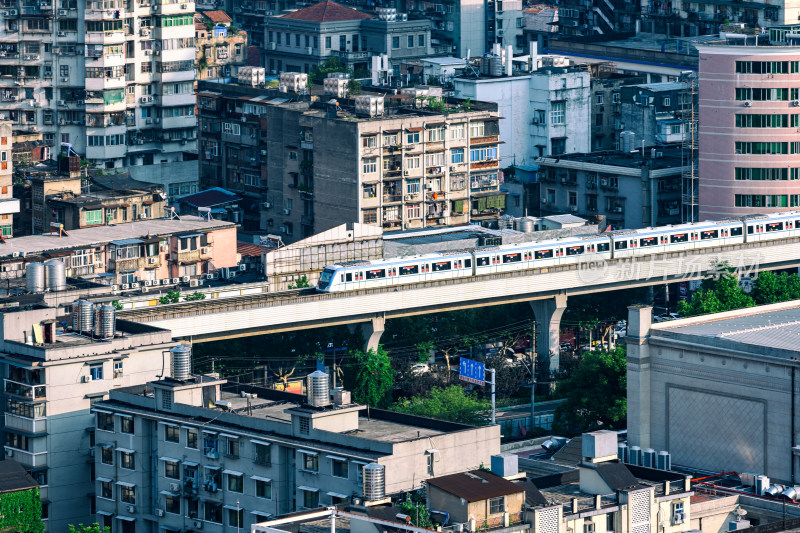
{"x":188,"y":257}
{"x":388,"y":198}
{"x":26,"y":425}
{"x":33,"y":460}
{"x":121,"y":265}
{"x":23,"y":390}
{"x":307,"y":145}
{"x":350,"y":56}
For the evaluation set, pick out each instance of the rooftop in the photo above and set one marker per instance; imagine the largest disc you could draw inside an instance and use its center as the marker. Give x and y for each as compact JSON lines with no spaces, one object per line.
{"x":209,"y":198}
{"x":160,"y":227}
{"x":771,"y":327}
{"x":217,"y":16}
{"x":101,"y":198}
{"x":665,"y":157}
{"x":327,"y":11}
{"x":249,"y":249}
{"x":663,"y":87}
{"x":475,"y":485}
{"x":14,"y":477}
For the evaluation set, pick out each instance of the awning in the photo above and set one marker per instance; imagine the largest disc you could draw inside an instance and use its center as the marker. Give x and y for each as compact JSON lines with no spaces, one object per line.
{"x":170,"y":459}
{"x":228,"y":435}
{"x":126,"y":518}
{"x":190,"y":463}
{"x":126,"y":450}
{"x":232,"y":508}
{"x":307,"y":452}
{"x":434,"y":124}
{"x":168,"y":424}
{"x":232,"y":473}
{"x":414,"y":129}
{"x":187,"y":237}
{"x":209,"y":432}
{"x":261,"y":442}
{"x":96,"y":410}
{"x":124,"y":416}
{"x":103,"y":479}
{"x":432,"y":450}
{"x":126,"y":484}
{"x":104,"y":445}
{"x":211,"y":467}
{"x":307,"y":489}
{"x":169,"y":493}
{"x":336,"y":457}
{"x":125,"y":242}
{"x":259,"y":478}
{"x":337,"y":495}
{"x":105,"y":513}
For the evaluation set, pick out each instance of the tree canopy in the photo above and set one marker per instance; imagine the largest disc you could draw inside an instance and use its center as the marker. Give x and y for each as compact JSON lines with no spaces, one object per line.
{"x":450,"y":403}
{"x":595,"y":394}
{"x":770,"y":287}
{"x":716,"y":295}
{"x":370,"y":377}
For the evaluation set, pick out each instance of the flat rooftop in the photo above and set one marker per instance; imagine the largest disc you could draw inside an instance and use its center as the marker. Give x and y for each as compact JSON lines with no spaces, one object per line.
{"x":670,"y":157}
{"x":773,"y":327}
{"x":81,"y":238}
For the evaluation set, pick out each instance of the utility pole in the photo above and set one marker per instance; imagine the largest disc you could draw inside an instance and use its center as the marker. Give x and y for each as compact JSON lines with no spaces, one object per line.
{"x":492,"y":383}
{"x":532,"y":370}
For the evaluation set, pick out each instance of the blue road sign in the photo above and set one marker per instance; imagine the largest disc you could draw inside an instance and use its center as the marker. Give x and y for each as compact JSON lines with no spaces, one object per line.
{"x":472,"y":371}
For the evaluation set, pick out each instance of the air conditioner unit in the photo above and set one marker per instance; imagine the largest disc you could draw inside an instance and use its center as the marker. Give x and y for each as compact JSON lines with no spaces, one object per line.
{"x":147,"y":283}
{"x":205,"y":250}
{"x":166,"y":281}
{"x":183,"y":6}
{"x":242,"y":268}
{"x":142,"y":215}
{"x":309,"y":50}
{"x":284,"y":230}
{"x":405,"y":173}
{"x":11,"y":13}
{"x":148,"y":121}
{"x":144,"y":99}
{"x":210,"y":276}
{"x":148,"y":52}
{"x":91,"y":452}
{"x":159,"y":512}
{"x":747,"y":104}
{"x":186,"y":279}
{"x":131,"y":509}
{"x":152,"y":260}
{"x":267,"y":205}
{"x":134,"y":285}
{"x":796,"y":103}
{"x":174,"y":487}
{"x":176,"y":280}
{"x":63,"y":12}
{"x":155,"y":120}
{"x":287,"y":211}
{"x":62,"y":34}
{"x":155,"y":7}
{"x":125,"y":286}
{"x":198,"y":524}
{"x":194,"y":283}
{"x":86,"y":379}
{"x":65,"y":80}
{"x":677,"y":518}
{"x":114,"y":288}
{"x":157,"y":52}
{"x":145,"y":32}
{"x":272,"y":46}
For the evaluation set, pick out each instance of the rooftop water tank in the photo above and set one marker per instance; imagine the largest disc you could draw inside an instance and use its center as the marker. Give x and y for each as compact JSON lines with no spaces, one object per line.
{"x":56,"y":275}
{"x":82,"y":316}
{"x":317,"y":389}
{"x":374,"y":482}
{"x":105,"y":321}
{"x":181,"y":364}
{"x":34,"y":277}
{"x":526,"y":224}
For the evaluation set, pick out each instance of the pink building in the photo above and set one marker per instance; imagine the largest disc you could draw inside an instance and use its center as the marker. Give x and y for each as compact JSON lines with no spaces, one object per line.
{"x":749,"y":135}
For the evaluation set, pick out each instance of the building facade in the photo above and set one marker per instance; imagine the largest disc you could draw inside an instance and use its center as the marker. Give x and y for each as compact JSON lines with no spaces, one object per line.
{"x":606,"y":108}
{"x":655,"y":113}
{"x":167,"y":456}
{"x":629,"y":190}
{"x":219,"y":50}
{"x":49,"y":389}
{"x":749,"y":142}
{"x":115,"y":81}
{"x":9,"y":206}
{"x":406,"y":168}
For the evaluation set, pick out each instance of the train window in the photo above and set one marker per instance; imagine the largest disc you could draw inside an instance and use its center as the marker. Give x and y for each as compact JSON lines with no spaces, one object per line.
{"x":709,"y":234}
{"x":648,"y":241}
{"x":750,"y":230}
{"x":543,"y":254}
{"x":620,"y":245}
{"x":736,"y":231}
{"x":467,"y":263}
{"x":348,"y":276}
{"x":376,"y":274}
{"x":575,"y":250}
{"x":775,"y":226}
{"x":679,"y":237}
{"x":482,"y":261}
{"x":443,"y":265}
{"x":410,"y":269}
{"x":512,"y":258}
{"x":603,"y":247}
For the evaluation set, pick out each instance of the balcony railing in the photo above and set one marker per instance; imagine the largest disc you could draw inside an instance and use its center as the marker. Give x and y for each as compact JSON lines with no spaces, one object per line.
{"x":23,"y":390}
{"x":392,"y":197}
{"x":27,"y":425}
{"x":350,"y":55}
{"x":25,"y":458}
{"x":189,"y":257}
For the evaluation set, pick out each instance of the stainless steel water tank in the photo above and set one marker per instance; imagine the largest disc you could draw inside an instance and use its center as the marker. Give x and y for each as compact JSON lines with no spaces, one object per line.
{"x":181,"y":364}
{"x":105,"y":321}
{"x":374,"y":482}
{"x":82,"y":316}
{"x":56,"y":275}
{"x":34,"y":277}
{"x":525,"y":224}
{"x":317,"y":391}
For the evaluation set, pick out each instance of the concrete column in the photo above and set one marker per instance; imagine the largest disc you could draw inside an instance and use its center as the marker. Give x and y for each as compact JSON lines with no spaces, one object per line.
{"x":638,"y":356}
{"x":547,"y":314}
{"x":372,"y":332}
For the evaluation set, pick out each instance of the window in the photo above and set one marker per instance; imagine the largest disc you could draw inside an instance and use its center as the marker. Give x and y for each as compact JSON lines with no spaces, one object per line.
{"x":304,"y":426}
{"x":311,"y":497}
{"x":457,"y":155}
{"x":436,"y":159}
{"x":235,"y":517}
{"x":476,"y":129}
{"x":210,"y":445}
{"x":558,"y":112}
{"x":232,"y":449}
{"x":262,"y":454}
{"x":497,"y":505}
{"x":126,"y":424}
{"x":166,"y":399}
{"x":127,"y":493}
{"x":369,"y":142}
{"x":486,"y":153}
{"x":558,"y":145}
{"x":421,"y":40}
{"x":328,"y":42}
{"x":395,"y":42}
{"x":309,"y":462}
{"x":105,"y":421}
{"x":213,"y":512}
{"x":263,"y":488}
{"x":191,"y":438}
{"x":235,"y":482}
{"x":369,"y":191}
{"x":172,"y":470}
{"x":598,"y":98}
{"x":588,"y":526}
{"x":370,"y":216}
{"x":338,"y":467}
{"x":127,"y":460}
{"x":172,"y":433}
{"x":435,"y":134}
{"x":457,"y":131}
{"x":412,"y":163}
{"x":665,"y":102}
{"x":412,"y":137}
{"x":118,"y":369}
{"x":231,"y":129}
{"x":94,"y":216}
{"x":573,"y":198}
{"x":411,"y":41}
{"x":610,"y":523}
{"x":106,"y":489}
{"x":413,"y":211}
{"x":370,"y":165}
{"x":429,"y":461}
{"x":412,"y":186}
{"x":172,"y":504}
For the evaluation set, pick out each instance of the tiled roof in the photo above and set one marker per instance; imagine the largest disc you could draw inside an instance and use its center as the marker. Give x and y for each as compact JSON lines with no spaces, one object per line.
{"x":14,"y":477}
{"x":249,"y":249}
{"x":476,"y":485}
{"x":327,"y":12}
{"x":217,"y":16}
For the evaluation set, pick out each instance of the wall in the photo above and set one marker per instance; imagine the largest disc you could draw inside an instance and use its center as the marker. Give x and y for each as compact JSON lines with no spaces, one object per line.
{"x":572,"y":87}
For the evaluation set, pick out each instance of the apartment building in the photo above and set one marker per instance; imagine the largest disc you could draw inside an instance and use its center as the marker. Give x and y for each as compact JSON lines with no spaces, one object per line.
{"x":584,"y":17}
{"x":544,"y":102}
{"x":606,"y":107}
{"x":195,"y":454}
{"x":9,"y":205}
{"x":748,"y":130}
{"x":630,"y":189}
{"x":656,"y":113}
{"x":220,"y":48}
{"x":49,"y":387}
{"x":138,"y":254}
{"x":406,"y":167}
{"x":112,"y":79}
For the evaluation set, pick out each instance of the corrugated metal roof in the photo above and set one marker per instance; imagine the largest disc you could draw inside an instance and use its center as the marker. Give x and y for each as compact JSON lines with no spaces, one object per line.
{"x":476,"y":485}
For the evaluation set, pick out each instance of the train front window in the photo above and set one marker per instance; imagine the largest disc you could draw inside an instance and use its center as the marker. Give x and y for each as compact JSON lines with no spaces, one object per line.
{"x":325,"y":278}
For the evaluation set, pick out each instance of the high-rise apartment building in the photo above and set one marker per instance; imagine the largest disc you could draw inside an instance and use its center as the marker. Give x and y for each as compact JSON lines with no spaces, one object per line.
{"x":112,"y":78}
{"x":749,"y":101}
{"x":8,"y":204}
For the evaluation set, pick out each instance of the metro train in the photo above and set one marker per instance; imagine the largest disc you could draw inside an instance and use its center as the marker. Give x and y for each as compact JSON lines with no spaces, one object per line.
{"x":354,"y":275}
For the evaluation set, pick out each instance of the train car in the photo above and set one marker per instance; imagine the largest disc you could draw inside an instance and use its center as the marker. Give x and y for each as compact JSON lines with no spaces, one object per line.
{"x":770,"y":227}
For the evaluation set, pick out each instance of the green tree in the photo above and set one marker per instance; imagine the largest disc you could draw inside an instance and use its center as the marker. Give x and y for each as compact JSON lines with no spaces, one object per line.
{"x":771,"y":287}
{"x":117,"y":305}
{"x":21,"y":511}
{"x":300,"y":283}
{"x":450,"y":403}
{"x":715,"y":295}
{"x":595,"y":394}
{"x":172,"y":297}
{"x":370,"y":376}
{"x":354,"y":87}
{"x":196,"y":295}
{"x":419,"y":513}
{"x":320,"y":72}
{"x":94,"y":528}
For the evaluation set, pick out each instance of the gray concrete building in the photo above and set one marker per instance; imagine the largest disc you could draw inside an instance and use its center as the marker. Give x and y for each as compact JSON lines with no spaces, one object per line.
{"x":629,"y":189}
{"x":719,"y":392}
{"x":195,"y":454}
{"x":606,"y":105}
{"x":51,"y":379}
{"x":655,"y":113}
